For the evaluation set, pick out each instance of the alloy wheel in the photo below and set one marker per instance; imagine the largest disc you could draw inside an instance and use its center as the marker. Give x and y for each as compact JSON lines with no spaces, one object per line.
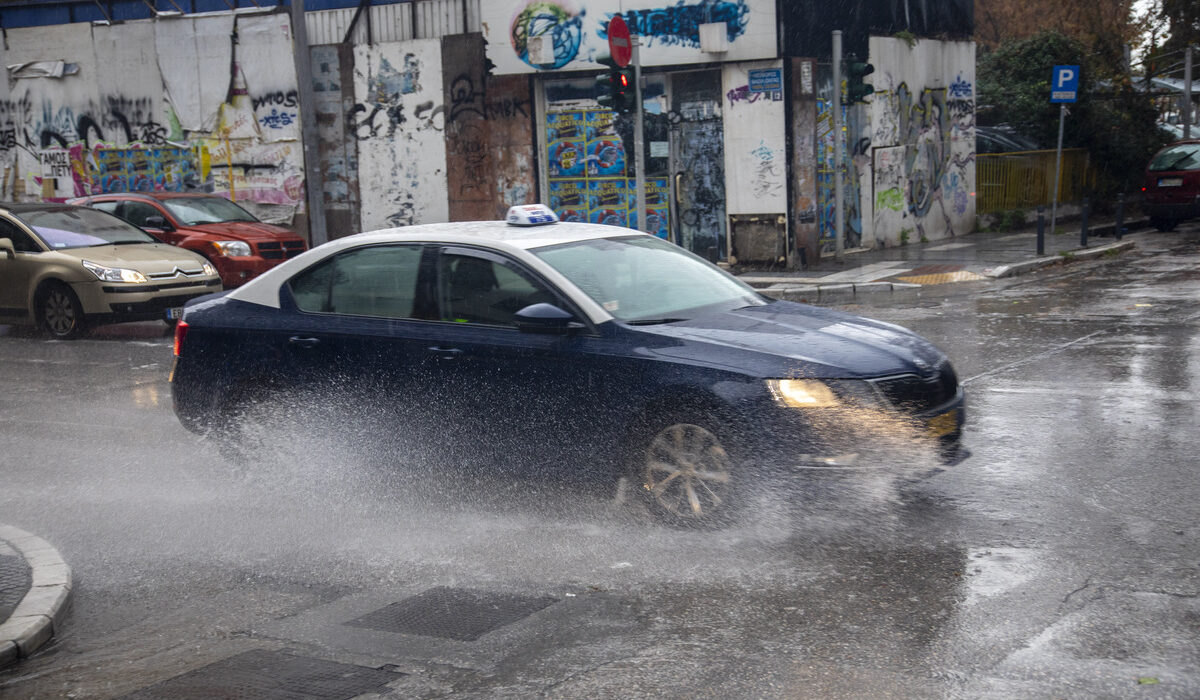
{"x":686,"y":471}
{"x":60,"y":313}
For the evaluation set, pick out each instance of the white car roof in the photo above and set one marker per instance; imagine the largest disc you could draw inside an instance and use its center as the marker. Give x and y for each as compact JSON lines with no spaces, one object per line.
{"x":516,"y":241}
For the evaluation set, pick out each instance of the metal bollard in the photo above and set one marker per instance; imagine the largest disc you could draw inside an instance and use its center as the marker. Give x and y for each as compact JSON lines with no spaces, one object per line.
{"x":1120,"y":215}
{"x":1041,"y":238}
{"x":1083,"y":229}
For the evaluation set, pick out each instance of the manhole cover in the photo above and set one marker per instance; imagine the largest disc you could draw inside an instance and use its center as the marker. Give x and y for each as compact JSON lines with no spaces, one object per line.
{"x":269,"y":675}
{"x":452,"y":613}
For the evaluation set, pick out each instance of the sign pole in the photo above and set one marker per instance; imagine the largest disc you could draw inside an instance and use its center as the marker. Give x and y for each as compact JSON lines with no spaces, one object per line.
{"x":839,"y":217}
{"x":1062,"y":117}
{"x":639,"y":138}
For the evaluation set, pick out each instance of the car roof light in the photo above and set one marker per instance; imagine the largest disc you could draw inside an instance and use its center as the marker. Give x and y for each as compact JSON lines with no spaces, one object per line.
{"x":531,"y":215}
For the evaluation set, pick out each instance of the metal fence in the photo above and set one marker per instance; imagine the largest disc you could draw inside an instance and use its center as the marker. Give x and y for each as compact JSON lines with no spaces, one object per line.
{"x":1024,"y":180}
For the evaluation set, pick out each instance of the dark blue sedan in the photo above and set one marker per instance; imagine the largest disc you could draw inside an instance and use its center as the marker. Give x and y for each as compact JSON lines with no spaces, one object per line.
{"x":589,"y":351}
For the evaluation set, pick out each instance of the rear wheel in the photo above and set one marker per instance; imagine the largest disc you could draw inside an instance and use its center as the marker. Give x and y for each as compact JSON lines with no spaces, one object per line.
{"x":685,"y":474}
{"x":1163,"y":225}
{"x":60,"y":312}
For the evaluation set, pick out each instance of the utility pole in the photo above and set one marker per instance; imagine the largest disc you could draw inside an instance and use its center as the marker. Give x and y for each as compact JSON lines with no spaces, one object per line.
{"x":1187,"y":92}
{"x":839,"y":217}
{"x":314,"y":184}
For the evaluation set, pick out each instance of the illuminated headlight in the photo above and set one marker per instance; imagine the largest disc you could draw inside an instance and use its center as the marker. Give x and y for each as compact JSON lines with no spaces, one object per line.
{"x":232,"y":248}
{"x":209,"y":269}
{"x":114,"y":274}
{"x":802,"y":393}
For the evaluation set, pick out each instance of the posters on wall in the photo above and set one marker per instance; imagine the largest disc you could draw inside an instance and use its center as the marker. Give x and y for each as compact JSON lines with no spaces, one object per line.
{"x":589,"y":173}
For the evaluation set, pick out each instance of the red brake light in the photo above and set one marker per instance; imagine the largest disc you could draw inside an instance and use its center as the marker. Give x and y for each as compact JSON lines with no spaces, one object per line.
{"x":181,"y":329}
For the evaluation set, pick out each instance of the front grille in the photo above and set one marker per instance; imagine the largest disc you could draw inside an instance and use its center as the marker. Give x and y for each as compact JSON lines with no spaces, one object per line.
{"x":144,"y":288}
{"x":174,"y":273}
{"x":916,"y":394}
{"x":275,"y":250}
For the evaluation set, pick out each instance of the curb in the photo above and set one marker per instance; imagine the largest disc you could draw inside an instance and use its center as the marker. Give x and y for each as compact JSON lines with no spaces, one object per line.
{"x":830,"y":292}
{"x":1070,"y":255}
{"x":35,"y":618}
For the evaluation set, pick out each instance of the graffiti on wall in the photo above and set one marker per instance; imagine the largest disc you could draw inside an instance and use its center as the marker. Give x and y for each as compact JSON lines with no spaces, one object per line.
{"x":851,"y":184}
{"x":399,"y":119}
{"x":528,"y":35}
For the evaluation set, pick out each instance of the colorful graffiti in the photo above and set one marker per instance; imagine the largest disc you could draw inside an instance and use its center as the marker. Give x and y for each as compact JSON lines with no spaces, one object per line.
{"x":826,"y":171}
{"x":555,"y":21}
{"x":679,"y":24}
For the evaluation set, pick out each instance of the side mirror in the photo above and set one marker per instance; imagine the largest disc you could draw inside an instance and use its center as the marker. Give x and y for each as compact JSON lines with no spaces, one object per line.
{"x":157,"y":222}
{"x":546,"y":318}
{"x":6,"y":245}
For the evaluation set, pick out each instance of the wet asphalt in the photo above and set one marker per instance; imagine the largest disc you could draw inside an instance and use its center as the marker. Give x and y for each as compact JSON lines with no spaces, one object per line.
{"x":1061,"y":560}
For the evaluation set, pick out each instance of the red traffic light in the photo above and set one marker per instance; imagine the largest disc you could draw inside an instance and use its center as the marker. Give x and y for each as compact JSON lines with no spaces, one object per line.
{"x":624,"y":79}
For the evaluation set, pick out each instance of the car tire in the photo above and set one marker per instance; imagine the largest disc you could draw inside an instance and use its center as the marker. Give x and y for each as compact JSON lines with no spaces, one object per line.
{"x":59,"y":312}
{"x":685,"y":474}
{"x":1163,"y":225}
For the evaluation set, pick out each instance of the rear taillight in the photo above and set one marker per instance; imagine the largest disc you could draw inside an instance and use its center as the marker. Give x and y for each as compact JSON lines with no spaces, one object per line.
{"x":180,"y":334}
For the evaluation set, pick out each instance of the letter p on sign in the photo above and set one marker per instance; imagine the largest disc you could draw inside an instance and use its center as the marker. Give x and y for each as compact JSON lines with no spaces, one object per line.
{"x":1064,"y":84}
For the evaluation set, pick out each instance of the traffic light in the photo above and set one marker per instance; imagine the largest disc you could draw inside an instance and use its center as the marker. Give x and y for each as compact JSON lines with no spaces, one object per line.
{"x":615,"y":89}
{"x":856,"y":89}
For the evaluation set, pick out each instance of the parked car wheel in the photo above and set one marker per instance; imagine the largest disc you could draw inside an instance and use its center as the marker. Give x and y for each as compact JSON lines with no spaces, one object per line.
{"x":61,"y":312}
{"x":1164,"y":225}
{"x":685,"y":474}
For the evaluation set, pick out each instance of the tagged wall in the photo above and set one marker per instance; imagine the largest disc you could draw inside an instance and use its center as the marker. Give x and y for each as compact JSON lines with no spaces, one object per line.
{"x":577,"y":30}
{"x":398,"y":120}
{"x":755,"y":143}
{"x":141,"y":106}
{"x":922,"y":140}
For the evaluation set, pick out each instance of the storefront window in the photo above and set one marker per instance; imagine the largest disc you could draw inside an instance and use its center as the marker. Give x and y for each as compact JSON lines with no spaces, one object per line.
{"x":590,"y":160}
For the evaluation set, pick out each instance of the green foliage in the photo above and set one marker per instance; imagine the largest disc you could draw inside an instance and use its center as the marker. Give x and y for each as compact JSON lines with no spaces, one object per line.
{"x":907,"y":37}
{"x":1114,"y":122}
{"x":1007,"y":221}
{"x":904,"y":235}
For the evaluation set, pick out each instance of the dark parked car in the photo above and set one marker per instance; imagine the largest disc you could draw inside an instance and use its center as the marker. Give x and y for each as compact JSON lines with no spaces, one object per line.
{"x":596,"y":351}
{"x":1172,"y":187}
{"x":239,"y":245}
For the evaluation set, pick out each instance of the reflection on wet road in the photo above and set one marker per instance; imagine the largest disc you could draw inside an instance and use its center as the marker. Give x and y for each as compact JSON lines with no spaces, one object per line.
{"x":1059,"y":561}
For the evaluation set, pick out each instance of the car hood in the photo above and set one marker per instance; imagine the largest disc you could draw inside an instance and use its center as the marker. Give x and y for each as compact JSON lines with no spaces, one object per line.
{"x":244,"y":231}
{"x":147,"y":258}
{"x":809,"y":341}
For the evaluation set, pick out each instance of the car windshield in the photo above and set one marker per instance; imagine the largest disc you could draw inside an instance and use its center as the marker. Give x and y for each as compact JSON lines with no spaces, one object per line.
{"x":206,"y":210}
{"x":1183,"y":156}
{"x":642,"y":279}
{"x":80,"y":228}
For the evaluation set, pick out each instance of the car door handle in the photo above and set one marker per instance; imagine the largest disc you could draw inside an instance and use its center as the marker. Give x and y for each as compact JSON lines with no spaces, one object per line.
{"x":304,"y":342}
{"x":446,"y":353}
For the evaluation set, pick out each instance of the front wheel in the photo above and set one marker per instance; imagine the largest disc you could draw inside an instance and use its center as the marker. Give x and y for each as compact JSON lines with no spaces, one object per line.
{"x":685,"y":474}
{"x":61,"y":313}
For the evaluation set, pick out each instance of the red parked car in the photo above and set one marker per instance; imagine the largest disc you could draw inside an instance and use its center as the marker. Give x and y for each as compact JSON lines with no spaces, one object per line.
{"x":1172,"y":185}
{"x":239,"y":245}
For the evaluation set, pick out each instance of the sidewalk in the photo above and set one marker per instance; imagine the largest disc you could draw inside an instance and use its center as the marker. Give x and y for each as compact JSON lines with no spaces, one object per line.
{"x":975,"y":256}
{"x":35,"y":589}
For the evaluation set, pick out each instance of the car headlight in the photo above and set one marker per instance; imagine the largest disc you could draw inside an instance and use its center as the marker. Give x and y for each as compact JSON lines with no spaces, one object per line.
{"x":209,"y":269}
{"x":232,"y":248}
{"x":802,"y":393}
{"x":114,"y":274}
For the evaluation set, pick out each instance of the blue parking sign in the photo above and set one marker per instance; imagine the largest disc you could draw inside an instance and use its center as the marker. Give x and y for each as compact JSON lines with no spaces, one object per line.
{"x":1064,"y":84}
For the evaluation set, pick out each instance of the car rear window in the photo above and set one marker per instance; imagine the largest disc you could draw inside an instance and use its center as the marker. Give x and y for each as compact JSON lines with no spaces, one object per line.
{"x":1182,"y":156}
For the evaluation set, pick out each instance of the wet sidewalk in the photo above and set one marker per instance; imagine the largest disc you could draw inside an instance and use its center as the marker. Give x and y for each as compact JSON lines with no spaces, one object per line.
{"x":35,"y":589}
{"x":973,"y":257}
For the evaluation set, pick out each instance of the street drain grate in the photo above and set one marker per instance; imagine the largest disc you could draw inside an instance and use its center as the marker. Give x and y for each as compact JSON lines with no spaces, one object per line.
{"x":269,"y":675}
{"x":452,"y":613}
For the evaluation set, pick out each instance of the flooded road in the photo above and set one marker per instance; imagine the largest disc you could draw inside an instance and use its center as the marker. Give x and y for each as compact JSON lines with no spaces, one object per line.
{"x":1060,"y":560}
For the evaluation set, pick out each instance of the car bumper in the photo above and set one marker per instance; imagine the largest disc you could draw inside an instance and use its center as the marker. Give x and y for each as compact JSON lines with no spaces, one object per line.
{"x":238,"y":271}
{"x":102,"y":301}
{"x":1174,"y":210}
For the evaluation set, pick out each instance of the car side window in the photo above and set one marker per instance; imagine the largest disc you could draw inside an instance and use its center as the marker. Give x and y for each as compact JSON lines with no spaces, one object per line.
{"x":137,"y":213}
{"x":376,"y":281}
{"x":110,"y":207}
{"x":21,"y":241}
{"x":478,"y":290}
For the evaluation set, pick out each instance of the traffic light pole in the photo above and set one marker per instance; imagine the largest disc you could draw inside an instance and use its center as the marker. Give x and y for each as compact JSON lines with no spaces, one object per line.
{"x":639,"y":152}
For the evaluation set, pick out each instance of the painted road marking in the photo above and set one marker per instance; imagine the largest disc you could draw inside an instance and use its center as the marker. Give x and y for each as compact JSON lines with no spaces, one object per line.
{"x":943,"y":277}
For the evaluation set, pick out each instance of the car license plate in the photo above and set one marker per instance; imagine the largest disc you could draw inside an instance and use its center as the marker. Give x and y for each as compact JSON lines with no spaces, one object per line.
{"x":174,"y":313}
{"x":1170,"y":182}
{"x":944,"y":424}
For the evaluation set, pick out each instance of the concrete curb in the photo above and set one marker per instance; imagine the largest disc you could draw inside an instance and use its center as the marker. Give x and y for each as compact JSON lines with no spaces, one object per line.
{"x":832,"y":292}
{"x":35,"y":618}
{"x":1070,"y":255}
